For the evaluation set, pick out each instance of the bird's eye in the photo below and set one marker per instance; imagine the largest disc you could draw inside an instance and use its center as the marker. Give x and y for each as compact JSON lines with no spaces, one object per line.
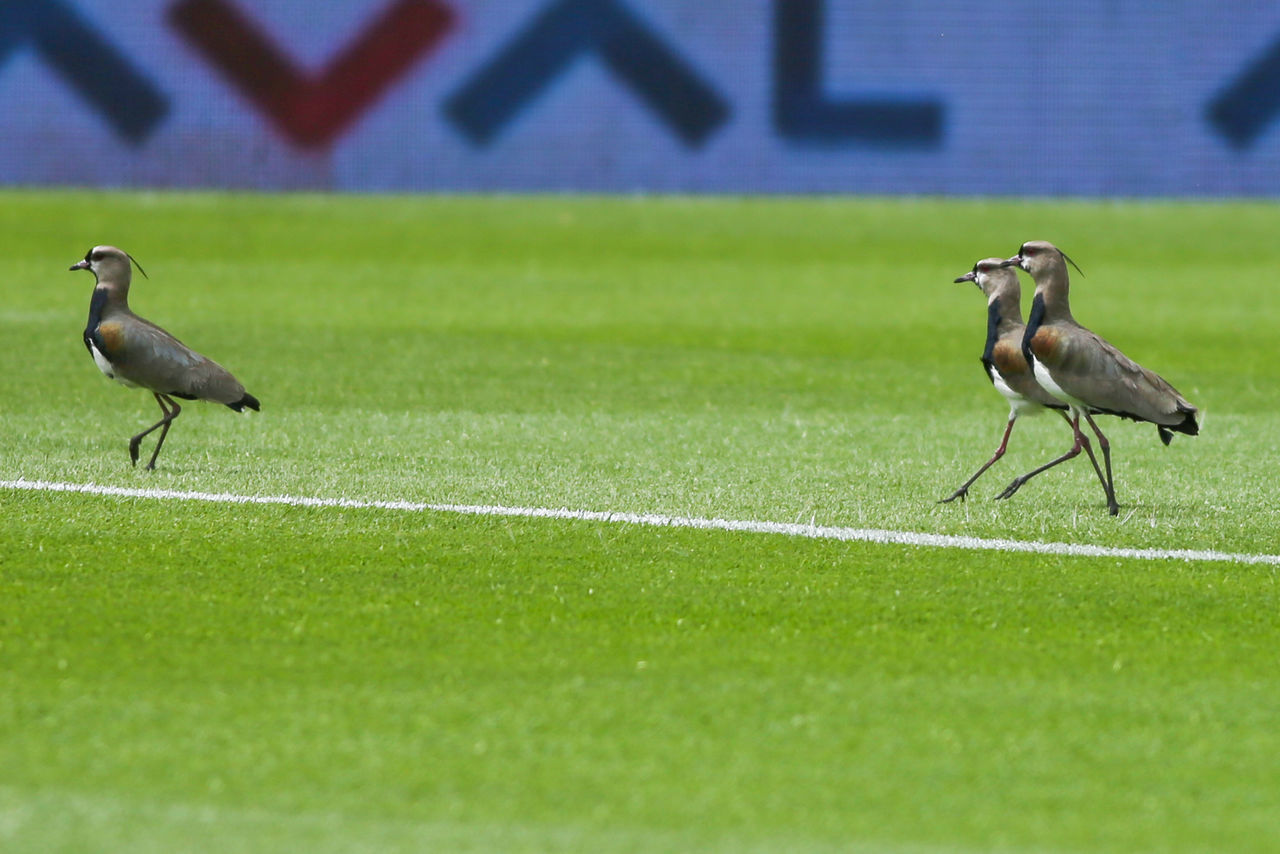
{"x":97,"y":256}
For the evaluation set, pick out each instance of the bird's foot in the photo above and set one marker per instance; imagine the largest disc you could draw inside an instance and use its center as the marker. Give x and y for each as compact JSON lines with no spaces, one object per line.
{"x":1011,"y":489}
{"x":133,"y":450}
{"x":960,"y":493}
{"x":1113,"y":509}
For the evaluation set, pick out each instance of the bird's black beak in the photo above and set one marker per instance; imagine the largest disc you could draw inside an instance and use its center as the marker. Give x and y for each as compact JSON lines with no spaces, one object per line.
{"x":1015,"y":261}
{"x":967,"y":277}
{"x":79,"y":265}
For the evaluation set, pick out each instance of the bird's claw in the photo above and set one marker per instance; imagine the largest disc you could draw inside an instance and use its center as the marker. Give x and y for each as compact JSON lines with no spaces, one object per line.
{"x":1010,"y":489}
{"x":959,"y":493}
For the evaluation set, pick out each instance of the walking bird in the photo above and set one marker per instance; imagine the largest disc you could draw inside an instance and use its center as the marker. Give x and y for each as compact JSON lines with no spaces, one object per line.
{"x":139,"y":354}
{"x":1008,"y":370}
{"x":1084,"y":369}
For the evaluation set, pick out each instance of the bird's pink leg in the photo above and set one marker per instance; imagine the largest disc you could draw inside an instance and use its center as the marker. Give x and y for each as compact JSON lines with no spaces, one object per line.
{"x":964,"y":488}
{"x":169,"y":415}
{"x":1079,"y":442}
{"x":1112,"y":506}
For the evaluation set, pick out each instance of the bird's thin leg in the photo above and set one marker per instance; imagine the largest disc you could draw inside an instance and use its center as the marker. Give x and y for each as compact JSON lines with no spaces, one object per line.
{"x":1113,"y":507}
{"x":964,"y":488}
{"x":137,"y":440}
{"x":1074,"y":451}
{"x":169,"y":416}
{"x":1088,"y":449}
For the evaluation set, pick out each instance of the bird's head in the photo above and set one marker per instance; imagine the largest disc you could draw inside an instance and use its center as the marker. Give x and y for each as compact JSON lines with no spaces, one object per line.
{"x":108,"y":264}
{"x":1039,"y":256}
{"x":992,"y":277}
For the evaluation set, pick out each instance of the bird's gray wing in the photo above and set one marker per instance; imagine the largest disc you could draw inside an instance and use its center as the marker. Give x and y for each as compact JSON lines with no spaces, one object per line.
{"x":146,"y":355}
{"x":1096,"y":370}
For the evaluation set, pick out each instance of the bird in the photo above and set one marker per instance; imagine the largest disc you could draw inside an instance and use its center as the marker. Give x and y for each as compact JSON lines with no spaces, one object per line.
{"x":1082,"y":368}
{"x":138,"y":354}
{"x":1007,"y":369}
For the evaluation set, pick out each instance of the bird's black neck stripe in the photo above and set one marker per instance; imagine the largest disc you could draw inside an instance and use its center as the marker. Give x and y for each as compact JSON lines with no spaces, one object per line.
{"x":993,"y":331}
{"x":1033,"y":325}
{"x":96,"y":306}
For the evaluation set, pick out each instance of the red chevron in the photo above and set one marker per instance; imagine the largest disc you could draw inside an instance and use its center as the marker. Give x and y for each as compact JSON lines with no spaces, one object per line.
{"x":312,"y":111}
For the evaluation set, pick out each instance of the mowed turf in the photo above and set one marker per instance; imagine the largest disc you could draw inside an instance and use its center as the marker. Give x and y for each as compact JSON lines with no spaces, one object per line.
{"x":183,"y":676}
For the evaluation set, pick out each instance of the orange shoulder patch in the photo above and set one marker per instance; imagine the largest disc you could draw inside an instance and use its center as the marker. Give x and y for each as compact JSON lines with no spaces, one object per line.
{"x":1046,"y":343}
{"x":1008,"y":358}
{"x":112,"y":336}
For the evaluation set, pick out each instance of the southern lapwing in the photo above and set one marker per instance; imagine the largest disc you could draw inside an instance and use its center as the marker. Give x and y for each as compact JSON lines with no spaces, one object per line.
{"x":140,"y":354}
{"x":1007,"y":368}
{"x":1086,"y":370}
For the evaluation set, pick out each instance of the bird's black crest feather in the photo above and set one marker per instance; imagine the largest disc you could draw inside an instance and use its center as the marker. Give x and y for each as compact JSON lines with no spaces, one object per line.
{"x":1067,"y":258}
{"x":139,"y":266}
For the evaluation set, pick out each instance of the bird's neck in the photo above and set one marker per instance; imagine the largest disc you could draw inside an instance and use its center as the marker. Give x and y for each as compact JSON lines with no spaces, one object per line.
{"x":1053,"y":290}
{"x":112,"y":295}
{"x":1008,"y":310}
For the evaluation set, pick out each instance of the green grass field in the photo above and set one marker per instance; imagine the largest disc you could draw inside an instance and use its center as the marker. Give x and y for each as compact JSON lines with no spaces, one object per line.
{"x":179,"y":676}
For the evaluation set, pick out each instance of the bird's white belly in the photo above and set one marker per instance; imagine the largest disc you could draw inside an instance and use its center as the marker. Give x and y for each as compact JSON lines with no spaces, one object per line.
{"x":1017,"y":403}
{"x":1003,"y":387}
{"x":1046,"y":382}
{"x":106,"y":367}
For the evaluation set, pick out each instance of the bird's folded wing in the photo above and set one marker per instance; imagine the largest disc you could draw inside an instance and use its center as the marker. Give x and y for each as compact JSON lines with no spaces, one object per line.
{"x":154,"y":359}
{"x":1109,"y":379}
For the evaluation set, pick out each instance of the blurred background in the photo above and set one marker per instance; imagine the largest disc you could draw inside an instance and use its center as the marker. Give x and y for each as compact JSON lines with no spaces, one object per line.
{"x":1091,"y":98}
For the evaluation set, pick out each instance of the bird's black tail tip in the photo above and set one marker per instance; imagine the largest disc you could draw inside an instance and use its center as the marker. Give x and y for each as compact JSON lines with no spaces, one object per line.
{"x":1188,"y":425}
{"x":248,"y":400}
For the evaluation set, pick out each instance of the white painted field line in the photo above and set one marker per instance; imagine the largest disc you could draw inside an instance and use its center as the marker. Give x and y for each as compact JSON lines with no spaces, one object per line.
{"x":816,"y":532}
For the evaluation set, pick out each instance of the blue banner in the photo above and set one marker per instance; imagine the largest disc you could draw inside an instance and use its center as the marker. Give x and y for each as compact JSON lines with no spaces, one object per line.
{"x":1092,"y":98}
